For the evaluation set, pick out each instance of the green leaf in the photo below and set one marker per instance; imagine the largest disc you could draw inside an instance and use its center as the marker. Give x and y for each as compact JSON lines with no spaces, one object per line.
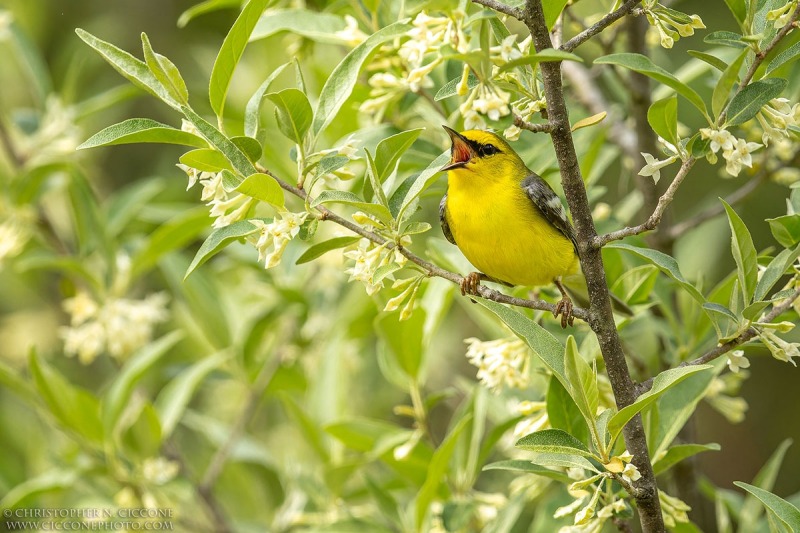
{"x":451,"y":87}
{"x":538,"y":339}
{"x":173,"y":399}
{"x":141,"y":436}
{"x":219,"y":239}
{"x":744,"y":253}
{"x":165,"y":72}
{"x":663,"y":118}
{"x":315,"y":25}
{"x":789,"y":55}
{"x":582,"y":383}
{"x":729,"y":77}
{"x":548,"y":54}
{"x":252,"y":113}
{"x":55,"y":479}
{"x":249,"y":146}
{"x":205,"y":160}
{"x":262,"y":187}
{"x":764,"y":480}
{"x":775,"y":270}
{"x":725,"y":38}
{"x":348,"y":198}
{"x":785,"y":511}
{"x":373,"y":186}
{"x":230,"y":53}
{"x":552,"y":9}
{"x":437,"y":470}
{"x":132,"y":69}
{"x":643,"y":65}
{"x":739,"y":9}
{"x":553,"y":441}
{"x":563,"y":413}
{"x":749,"y":101}
{"x":404,"y":339}
{"x":343,"y":78}
{"x":219,"y":141}
{"x":563,"y":460}
{"x":389,"y":151}
{"x":665,"y":263}
{"x":142,"y":130}
{"x":75,"y":408}
{"x":362,"y":434}
{"x":661,"y":384}
{"x":293,"y":113}
{"x":203,"y":8}
{"x":170,"y":236}
{"x":424,"y":180}
{"x":518,"y":465}
{"x":119,"y":394}
{"x":126,"y":203}
{"x":786,"y":229}
{"x":589,"y":121}
{"x":320,"y":248}
{"x":680,"y":452}
{"x":708,"y":58}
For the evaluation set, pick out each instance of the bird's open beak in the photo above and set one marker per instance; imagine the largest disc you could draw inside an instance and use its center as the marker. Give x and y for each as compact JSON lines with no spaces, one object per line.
{"x":460,"y":152}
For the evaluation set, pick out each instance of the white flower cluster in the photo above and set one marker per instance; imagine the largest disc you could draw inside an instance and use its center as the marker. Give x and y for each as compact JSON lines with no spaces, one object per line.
{"x":525,"y":109}
{"x":780,"y":349}
{"x":368,"y":258}
{"x":735,"y":151}
{"x":273,"y":237}
{"x":118,"y":325}
{"x":426,"y":37}
{"x":671,"y":25}
{"x":485,"y":99}
{"x":56,"y":137}
{"x":775,"y":119}
{"x":351,"y":35}
{"x":782,"y":15}
{"x":509,"y":49}
{"x":501,"y":362}
{"x":159,"y":470}
{"x":673,"y":510}
{"x":226,"y":207}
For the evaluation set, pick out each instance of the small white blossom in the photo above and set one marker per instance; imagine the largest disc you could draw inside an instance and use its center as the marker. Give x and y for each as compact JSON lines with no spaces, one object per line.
{"x":739,"y":155}
{"x":15,"y":233}
{"x":567,"y":510}
{"x":536,"y":413}
{"x":506,"y":50}
{"x":6,"y":19}
{"x":737,"y":360}
{"x":501,"y":362}
{"x":351,"y":34}
{"x":512,"y":133}
{"x":780,"y":349}
{"x":631,"y":473}
{"x":367,"y":259}
{"x":654,"y":166}
{"x":275,"y":236}
{"x":720,"y":139}
{"x":159,"y":470}
{"x":492,"y":103}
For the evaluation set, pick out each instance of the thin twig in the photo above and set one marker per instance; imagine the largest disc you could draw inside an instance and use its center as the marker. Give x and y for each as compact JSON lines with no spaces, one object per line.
{"x":654,"y":219}
{"x":429,"y":268}
{"x":602,"y":24}
{"x":726,"y":347}
{"x":500,"y":8}
{"x":530,"y":126}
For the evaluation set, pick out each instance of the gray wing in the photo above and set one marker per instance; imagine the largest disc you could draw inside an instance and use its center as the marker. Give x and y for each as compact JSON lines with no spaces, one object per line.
{"x":550,"y":205}
{"x":443,"y":220}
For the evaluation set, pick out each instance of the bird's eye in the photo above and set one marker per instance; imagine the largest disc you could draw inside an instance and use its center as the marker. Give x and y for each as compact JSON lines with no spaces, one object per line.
{"x":489,"y":149}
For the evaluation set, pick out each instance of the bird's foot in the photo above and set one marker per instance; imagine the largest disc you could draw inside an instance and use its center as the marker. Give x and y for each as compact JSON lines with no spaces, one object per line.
{"x":470,"y":284}
{"x":564,"y":308}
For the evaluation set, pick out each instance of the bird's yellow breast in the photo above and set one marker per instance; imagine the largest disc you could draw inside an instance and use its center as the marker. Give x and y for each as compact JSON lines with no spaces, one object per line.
{"x":501,"y":232}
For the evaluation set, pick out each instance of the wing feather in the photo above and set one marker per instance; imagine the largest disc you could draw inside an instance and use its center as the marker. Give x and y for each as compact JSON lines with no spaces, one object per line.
{"x":443,"y":220}
{"x":549,"y":204}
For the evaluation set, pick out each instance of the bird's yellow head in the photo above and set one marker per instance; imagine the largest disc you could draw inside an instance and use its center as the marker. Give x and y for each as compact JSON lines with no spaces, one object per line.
{"x":479,"y":154}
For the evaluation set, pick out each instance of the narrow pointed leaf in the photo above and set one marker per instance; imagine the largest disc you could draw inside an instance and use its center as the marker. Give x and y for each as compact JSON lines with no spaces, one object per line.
{"x":293,"y":113}
{"x":389,"y":151}
{"x":785,"y":511}
{"x":663,"y":118}
{"x":744,"y":253}
{"x":231,"y":51}
{"x":749,"y":101}
{"x":219,"y":141}
{"x":680,"y":452}
{"x":519,"y":465}
{"x":553,"y":441}
{"x":729,"y":77}
{"x":142,"y":130}
{"x":165,"y":72}
{"x":218,"y":240}
{"x":326,"y":246}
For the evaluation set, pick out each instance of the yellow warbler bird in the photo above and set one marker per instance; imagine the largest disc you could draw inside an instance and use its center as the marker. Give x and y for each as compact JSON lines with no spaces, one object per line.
{"x":505,"y":218}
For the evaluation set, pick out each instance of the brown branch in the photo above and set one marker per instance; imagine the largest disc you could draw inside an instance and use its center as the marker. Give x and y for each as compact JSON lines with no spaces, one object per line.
{"x":601,"y":315}
{"x":726,"y":347}
{"x":530,"y":126}
{"x":652,"y":222}
{"x":602,"y":24}
{"x":429,"y":268}
{"x":500,"y":8}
